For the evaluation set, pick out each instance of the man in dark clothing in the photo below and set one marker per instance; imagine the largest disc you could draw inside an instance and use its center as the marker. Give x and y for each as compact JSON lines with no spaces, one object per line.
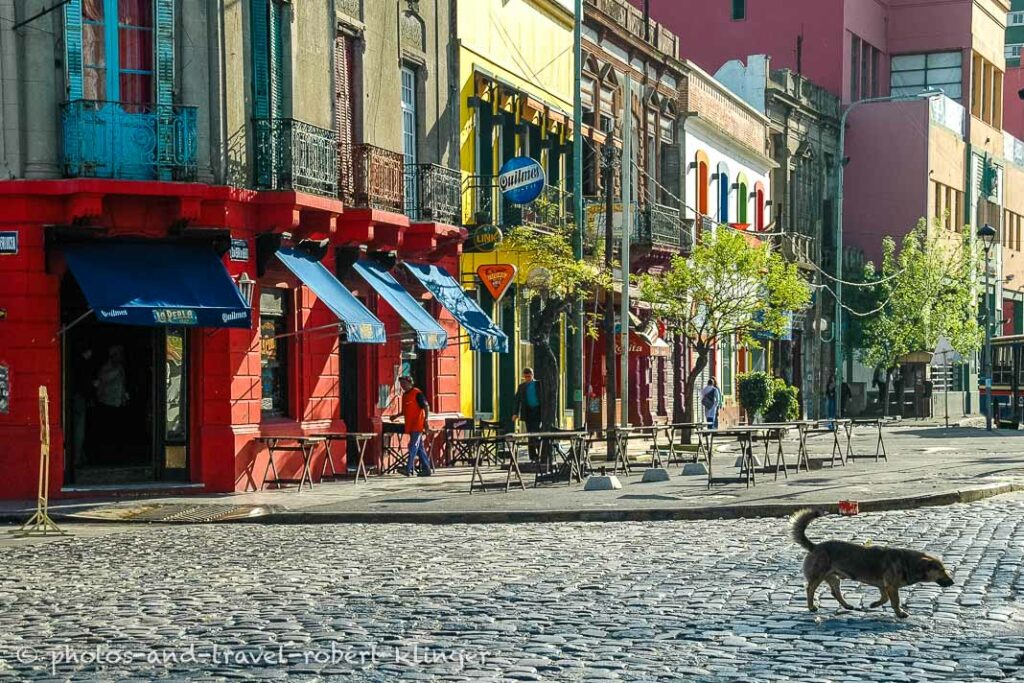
{"x":527,"y":406}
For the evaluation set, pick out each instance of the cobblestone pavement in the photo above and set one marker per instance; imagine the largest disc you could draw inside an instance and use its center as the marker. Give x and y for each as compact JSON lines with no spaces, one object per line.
{"x":679,"y":601}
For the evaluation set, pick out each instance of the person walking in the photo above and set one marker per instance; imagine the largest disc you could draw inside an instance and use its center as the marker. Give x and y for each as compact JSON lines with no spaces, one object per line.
{"x":527,"y":406}
{"x":711,"y":401}
{"x":830,"y":402}
{"x":415,"y":411}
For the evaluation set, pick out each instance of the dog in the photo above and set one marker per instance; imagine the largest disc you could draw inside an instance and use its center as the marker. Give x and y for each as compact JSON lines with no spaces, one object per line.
{"x":887,"y":569}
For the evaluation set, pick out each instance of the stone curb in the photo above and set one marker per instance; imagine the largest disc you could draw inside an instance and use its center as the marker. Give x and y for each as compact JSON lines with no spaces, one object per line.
{"x":282,"y":516}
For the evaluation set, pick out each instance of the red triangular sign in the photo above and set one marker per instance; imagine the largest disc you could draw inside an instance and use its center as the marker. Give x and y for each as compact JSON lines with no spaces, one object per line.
{"x":497,"y":278}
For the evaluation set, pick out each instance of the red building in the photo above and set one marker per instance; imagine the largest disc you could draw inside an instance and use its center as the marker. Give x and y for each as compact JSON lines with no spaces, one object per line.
{"x":193,"y":398}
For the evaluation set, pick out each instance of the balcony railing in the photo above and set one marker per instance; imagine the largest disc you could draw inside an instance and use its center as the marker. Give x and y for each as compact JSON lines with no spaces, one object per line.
{"x":660,"y":226}
{"x":551,"y":211}
{"x":433,"y":193}
{"x":129,"y":141}
{"x":796,"y":247}
{"x":632,"y":19}
{"x":379,"y":176}
{"x":294,"y":155}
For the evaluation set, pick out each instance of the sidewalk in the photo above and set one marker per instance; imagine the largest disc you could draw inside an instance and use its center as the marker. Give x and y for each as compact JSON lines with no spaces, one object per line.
{"x":926,"y":466}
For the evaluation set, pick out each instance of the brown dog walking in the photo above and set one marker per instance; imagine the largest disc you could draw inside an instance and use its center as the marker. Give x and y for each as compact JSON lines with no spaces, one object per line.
{"x":887,"y":569}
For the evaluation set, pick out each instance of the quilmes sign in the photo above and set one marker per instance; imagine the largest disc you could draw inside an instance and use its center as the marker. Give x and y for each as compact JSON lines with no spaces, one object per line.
{"x":8,"y":242}
{"x":521,"y":180}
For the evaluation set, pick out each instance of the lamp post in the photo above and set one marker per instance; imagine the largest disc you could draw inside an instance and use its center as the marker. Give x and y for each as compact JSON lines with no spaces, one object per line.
{"x":987,"y":235}
{"x":840,"y":165}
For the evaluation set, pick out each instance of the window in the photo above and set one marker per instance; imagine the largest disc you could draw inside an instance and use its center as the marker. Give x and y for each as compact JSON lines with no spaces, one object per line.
{"x":1013,"y":51}
{"x":759,"y":207}
{"x":409,"y":123}
{"x":607,"y":108}
{"x":702,"y":180}
{"x":911,"y":74}
{"x":1002,"y":365}
{"x":117,"y":50}
{"x":1015,"y":19}
{"x":727,"y":366}
{"x":723,"y":194}
{"x":587,"y":93}
{"x":986,"y":91}
{"x":267,"y":45}
{"x":344,"y":111}
{"x":855,"y":48}
{"x":274,"y":351}
{"x":739,"y":10}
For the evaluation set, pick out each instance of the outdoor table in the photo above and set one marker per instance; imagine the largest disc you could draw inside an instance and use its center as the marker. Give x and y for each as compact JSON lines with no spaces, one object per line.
{"x":808,"y":427}
{"x":675,"y":430}
{"x":361,"y":439}
{"x":392,"y":450}
{"x":745,"y":436}
{"x":768,"y":432}
{"x":479,"y":445}
{"x":878,"y":423}
{"x":572,"y":461}
{"x":304,"y":444}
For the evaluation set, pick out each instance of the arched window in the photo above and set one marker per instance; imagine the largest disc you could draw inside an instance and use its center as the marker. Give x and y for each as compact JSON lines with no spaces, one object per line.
{"x":703,"y":179}
{"x":742,"y":199}
{"x":758,"y":206}
{"x":723,"y":193}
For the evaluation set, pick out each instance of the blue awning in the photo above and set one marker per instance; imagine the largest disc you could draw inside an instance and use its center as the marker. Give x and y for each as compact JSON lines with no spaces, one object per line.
{"x":360,"y":325}
{"x":484,"y":335}
{"x":429,"y":335}
{"x":157,"y":284}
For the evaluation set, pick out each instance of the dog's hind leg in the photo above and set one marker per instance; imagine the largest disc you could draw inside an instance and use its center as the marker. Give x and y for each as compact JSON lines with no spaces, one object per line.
{"x":833,"y":582}
{"x":894,"y":598}
{"x":880,"y":601}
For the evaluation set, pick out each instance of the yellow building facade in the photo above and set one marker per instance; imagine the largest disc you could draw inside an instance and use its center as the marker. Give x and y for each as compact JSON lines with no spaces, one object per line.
{"x":516,"y":92}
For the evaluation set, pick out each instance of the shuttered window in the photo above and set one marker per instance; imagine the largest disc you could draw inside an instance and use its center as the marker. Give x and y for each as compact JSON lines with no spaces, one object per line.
{"x":344,"y":109}
{"x":267,"y":44}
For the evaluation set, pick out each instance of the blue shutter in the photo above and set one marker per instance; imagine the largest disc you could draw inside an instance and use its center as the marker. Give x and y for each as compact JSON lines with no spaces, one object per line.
{"x":73,"y":48}
{"x":164,"y":71}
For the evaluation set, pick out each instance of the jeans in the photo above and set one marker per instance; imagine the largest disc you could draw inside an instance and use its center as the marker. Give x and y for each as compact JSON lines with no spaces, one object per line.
{"x":416,"y":449}
{"x":830,"y":410}
{"x":712,"y":416}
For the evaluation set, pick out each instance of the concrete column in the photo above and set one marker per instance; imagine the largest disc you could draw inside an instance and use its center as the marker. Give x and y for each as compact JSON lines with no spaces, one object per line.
{"x":42,"y":83}
{"x":10,"y":116}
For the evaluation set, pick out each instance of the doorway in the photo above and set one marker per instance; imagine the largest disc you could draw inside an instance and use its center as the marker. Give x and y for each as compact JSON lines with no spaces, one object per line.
{"x":125,"y":399}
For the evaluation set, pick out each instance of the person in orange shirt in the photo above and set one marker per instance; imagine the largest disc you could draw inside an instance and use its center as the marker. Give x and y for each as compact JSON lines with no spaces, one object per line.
{"x":415,"y":410}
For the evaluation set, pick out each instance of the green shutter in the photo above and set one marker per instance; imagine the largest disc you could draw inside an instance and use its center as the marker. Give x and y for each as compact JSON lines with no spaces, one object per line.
{"x":258,"y":39}
{"x":276,"y":59}
{"x":73,"y":48}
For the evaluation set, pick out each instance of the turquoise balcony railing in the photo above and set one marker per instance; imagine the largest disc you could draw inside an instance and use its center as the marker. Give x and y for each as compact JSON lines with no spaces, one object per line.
{"x":129,"y":141}
{"x":294,"y":155}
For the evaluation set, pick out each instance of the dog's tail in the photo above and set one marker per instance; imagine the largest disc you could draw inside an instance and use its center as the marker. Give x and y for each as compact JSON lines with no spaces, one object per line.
{"x":798,"y":526}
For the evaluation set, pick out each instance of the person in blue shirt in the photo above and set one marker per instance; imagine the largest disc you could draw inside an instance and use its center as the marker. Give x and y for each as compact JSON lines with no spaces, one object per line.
{"x":527,"y":406}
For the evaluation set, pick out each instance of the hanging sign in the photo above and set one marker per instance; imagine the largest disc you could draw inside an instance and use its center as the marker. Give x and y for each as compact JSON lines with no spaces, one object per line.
{"x":239,"y":251}
{"x":5,"y":389}
{"x":8,"y":243}
{"x":521,"y":180}
{"x":487,"y":237}
{"x":497,"y":278}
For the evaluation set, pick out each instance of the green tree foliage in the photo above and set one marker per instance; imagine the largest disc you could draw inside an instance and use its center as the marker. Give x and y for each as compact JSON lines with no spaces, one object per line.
{"x":785,"y":406}
{"x":925,"y":291}
{"x":557,"y":279}
{"x":755,"y":392}
{"x":732,"y":286}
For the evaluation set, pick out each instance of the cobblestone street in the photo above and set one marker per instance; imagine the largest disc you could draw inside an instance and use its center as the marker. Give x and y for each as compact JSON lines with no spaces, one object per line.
{"x":680,"y":601}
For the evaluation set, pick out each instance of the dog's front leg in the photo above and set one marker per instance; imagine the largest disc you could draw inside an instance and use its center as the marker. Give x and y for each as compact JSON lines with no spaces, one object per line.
{"x":894,"y":597}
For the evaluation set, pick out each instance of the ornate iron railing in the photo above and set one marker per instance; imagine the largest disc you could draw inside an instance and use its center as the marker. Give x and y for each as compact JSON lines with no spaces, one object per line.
{"x":479,"y":199}
{"x":433,"y":193}
{"x":294,"y":155}
{"x":551,"y":211}
{"x":129,"y":141}
{"x":379,"y":178}
{"x":660,"y":226}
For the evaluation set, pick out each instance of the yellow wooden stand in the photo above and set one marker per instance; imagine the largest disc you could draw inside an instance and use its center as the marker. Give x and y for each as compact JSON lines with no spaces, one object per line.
{"x":40,"y":523}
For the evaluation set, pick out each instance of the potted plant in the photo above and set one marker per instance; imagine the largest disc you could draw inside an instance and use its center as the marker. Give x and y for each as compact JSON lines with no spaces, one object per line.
{"x":756,"y":393}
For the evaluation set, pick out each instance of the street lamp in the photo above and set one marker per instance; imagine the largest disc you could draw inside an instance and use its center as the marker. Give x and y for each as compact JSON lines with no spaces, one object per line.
{"x":840,"y":165}
{"x":987,"y":235}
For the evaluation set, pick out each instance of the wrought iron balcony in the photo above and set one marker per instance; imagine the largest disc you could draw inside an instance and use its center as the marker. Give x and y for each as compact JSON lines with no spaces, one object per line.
{"x":433,"y":193}
{"x":551,"y":211}
{"x":660,"y":226}
{"x":294,"y":155}
{"x":379,"y":178}
{"x":796,"y":248}
{"x":129,"y":141}
{"x":479,"y":197}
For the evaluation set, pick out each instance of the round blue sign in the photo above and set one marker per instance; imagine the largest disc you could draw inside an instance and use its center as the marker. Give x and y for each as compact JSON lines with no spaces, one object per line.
{"x":521,"y":180}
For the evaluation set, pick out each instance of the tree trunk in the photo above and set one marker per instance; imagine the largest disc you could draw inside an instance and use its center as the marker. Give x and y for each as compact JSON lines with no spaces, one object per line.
{"x":679,"y":374}
{"x":546,"y":361}
{"x":688,"y":387}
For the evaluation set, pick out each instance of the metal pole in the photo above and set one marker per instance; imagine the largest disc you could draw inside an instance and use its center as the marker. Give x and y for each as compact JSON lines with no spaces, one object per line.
{"x":989,"y":315}
{"x":627,"y":233}
{"x":576,"y":354}
{"x":608,"y":174}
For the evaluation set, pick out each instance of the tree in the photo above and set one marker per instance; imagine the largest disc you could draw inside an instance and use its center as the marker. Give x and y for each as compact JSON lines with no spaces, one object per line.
{"x":925,"y":291}
{"x":556,"y":279}
{"x":733,"y":285}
